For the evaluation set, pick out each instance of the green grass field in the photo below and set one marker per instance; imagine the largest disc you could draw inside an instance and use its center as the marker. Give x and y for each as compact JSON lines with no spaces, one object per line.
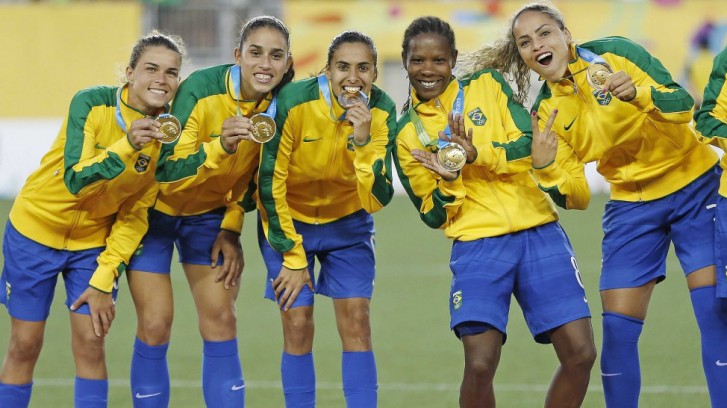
{"x":419,"y":360}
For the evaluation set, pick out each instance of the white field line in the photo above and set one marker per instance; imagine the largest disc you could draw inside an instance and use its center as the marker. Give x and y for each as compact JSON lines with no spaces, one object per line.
{"x":395,"y":387}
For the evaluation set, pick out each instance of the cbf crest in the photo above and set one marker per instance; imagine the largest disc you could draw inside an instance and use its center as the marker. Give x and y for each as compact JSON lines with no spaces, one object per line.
{"x":457,"y":300}
{"x":142,"y":163}
{"x":477,"y":117}
{"x":602,"y":97}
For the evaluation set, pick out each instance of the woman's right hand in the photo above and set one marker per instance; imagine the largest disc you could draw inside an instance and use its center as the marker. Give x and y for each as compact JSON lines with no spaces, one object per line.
{"x":545,"y":144}
{"x":234,"y":130}
{"x":288,"y":285}
{"x":429,"y":160}
{"x":142,"y":131}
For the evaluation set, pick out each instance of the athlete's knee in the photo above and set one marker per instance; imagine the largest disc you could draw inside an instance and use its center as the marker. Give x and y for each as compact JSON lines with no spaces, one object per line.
{"x":482,"y":365}
{"x":155,"y":333}
{"x":25,"y":347}
{"x":580,"y":358}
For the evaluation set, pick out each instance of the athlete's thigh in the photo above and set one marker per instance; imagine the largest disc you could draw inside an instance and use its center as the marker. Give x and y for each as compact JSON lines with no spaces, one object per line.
{"x":693,"y":222}
{"x":29,"y":276}
{"x":197,"y":235}
{"x":157,"y":247}
{"x":630,"y":228}
{"x":483,"y":280}
{"x":78,"y":271}
{"x":549,"y":287}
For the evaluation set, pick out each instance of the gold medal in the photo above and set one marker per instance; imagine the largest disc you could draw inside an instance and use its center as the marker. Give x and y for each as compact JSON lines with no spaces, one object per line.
{"x":170,"y":127}
{"x":348,"y":99}
{"x":597,"y":74}
{"x":452,"y":156}
{"x":263,"y":128}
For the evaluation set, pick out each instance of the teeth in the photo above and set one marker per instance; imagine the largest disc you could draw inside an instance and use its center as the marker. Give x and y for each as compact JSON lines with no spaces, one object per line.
{"x":158,"y":91}
{"x":263,"y":77}
{"x":545,"y":55}
{"x":351,"y":89}
{"x":427,"y":84}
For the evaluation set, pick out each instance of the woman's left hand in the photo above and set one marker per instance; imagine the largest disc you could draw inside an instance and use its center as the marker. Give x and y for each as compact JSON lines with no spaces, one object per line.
{"x":460,"y":135}
{"x":621,"y":86}
{"x":228,"y":244}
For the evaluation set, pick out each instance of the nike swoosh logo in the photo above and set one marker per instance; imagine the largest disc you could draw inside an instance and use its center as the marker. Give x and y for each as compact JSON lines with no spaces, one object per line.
{"x":567,"y":128}
{"x":720,"y":364}
{"x":98,"y":146}
{"x":610,"y":374}
{"x":237,"y":387}
{"x":311,"y":139}
{"x":142,"y":396}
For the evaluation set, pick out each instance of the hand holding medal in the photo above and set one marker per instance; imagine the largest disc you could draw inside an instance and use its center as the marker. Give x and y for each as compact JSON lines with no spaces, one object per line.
{"x":170,"y":128}
{"x":621,"y":86}
{"x":164,"y":129}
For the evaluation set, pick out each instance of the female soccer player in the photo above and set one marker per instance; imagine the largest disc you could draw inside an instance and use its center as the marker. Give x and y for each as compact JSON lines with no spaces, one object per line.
{"x":619,"y":106}
{"x":83,"y":214}
{"x":319,"y":182}
{"x":205,"y":219}
{"x":711,"y":121}
{"x":507,"y":240}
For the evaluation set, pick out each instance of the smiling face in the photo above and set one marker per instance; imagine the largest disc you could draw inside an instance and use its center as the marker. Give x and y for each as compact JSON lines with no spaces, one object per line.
{"x":542,"y":44}
{"x":263,"y":59}
{"x":429,"y":64}
{"x":352,"y":68}
{"x":154,"y":80}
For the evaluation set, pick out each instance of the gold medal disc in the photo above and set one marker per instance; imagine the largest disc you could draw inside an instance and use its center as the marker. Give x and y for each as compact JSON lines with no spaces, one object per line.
{"x":170,"y":127}
{"x":452,"y":156}
{"x":347,"y":99}
{"x":263,"y":128}
{"x":598,"y":73}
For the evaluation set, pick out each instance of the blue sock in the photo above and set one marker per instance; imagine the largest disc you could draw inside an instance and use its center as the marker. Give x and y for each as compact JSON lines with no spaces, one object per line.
{"x":359,"y":379}
{"x":711,"y":314}
{"x":222,"y":383}
{"x":15,"y":395}
{"x":620,"y":370}
{"x":149,"y":375}
{"x":299,"y":380}
{"x":91,"y":393}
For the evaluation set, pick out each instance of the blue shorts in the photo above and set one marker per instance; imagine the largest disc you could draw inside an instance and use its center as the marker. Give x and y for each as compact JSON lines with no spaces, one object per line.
{"x":193,"y":236}
{"x":721,"y":246}
{"x":345,"y":249}
{"x":536,"y":265}
{"x":31,"y":271}
{"x":637,"y":234}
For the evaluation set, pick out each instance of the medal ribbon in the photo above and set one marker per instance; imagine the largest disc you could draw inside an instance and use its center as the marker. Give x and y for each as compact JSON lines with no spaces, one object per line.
{"x":424,"y":137}
{"x":589,"y":56}
{"x":326,"y":91}
{"x":236,"y":86}
{"x":119,"y":117}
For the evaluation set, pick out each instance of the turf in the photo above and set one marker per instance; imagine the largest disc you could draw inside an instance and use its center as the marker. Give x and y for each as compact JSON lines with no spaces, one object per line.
{"x":419,"y":360}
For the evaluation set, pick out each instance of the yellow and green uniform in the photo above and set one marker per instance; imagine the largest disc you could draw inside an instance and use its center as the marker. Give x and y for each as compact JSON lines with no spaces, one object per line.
{"x":495,"y":195}
{"x":313,"y":172}
{"x":711,"y":118}
{"x":645,"y":148}
{"x":93,"y":188}
{"x":196,"y":174}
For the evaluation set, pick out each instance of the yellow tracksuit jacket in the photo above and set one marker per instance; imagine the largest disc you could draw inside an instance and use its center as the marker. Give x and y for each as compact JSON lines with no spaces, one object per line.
{"x":196,"y":175}
{"x":646,"y":148}
{"x":93,"y":188}
{"x":312,"y":172}
{"x":711,"y":118}
{"x":496,"y":194}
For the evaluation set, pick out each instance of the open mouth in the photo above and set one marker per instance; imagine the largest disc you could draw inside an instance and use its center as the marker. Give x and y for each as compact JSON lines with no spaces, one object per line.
{"x":264,"y":78}
{"x":352,"y":89}
{"x":428,"y":84}
{"x":545,"y":58}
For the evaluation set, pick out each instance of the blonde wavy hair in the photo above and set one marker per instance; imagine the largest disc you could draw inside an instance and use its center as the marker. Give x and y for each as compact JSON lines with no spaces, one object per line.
{"x":502,"y":55}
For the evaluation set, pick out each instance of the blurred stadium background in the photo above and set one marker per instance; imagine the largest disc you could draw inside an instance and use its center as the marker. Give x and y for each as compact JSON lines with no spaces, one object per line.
{"x":51,"y":49}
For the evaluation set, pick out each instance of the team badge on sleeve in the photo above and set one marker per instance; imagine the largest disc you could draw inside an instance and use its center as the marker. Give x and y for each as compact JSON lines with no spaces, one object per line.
{"x":142,"y":163}
{"x":477,"y":117}
{"x":457,"y":299}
